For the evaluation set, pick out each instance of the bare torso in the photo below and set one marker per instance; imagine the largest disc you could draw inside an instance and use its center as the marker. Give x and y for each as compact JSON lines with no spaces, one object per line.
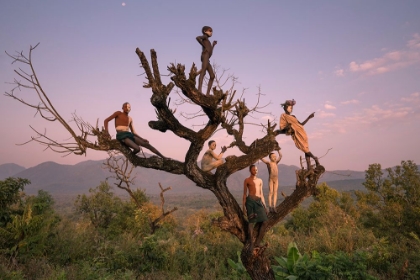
{"x":122,"y":122}
{"x":254,"y":186}
{"x":273,"y":170}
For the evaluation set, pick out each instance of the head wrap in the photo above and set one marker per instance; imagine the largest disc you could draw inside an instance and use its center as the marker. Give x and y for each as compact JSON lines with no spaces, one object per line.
{"x":288,"y":103}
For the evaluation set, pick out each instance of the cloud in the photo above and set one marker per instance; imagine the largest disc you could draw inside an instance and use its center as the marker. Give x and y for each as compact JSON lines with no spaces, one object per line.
{"x":414,"y":98}
{"x":415,"y":42}
{"x":123,"y":4}
{"x":353,"y":101}
{"x":329,"y":106}
{"x":390,"y":61}
{"x":322,"y":114}
{"x":339,"y":72}
{"x":382,"y":116}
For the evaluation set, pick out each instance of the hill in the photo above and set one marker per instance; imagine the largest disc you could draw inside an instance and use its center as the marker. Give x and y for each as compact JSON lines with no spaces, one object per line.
{"x":59,"y":179}
{"x":9,"y":169}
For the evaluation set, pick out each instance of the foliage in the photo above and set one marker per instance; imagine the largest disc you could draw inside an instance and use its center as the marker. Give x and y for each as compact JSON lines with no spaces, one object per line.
{"x":391,"y":209}
{"x":345,"y":237}
{"x":320,"y":266}
{"x":101,"y":206}
{"x":28,"y":234}
{"x":10,"y":195}
{"x":239,"y":270}
{"x":330,"y":223}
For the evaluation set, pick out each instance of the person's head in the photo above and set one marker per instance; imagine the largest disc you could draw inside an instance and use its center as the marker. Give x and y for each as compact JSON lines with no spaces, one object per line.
{"x":207,"y":30}
{"x":212,"y":144}
{"x":288,"y":106}
{"x":253,"y":169}
{"x":272,"y":156}
{"x":126,"y":107}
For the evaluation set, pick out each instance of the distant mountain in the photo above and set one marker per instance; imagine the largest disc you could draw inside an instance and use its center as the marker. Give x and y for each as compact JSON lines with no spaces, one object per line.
{"x":9,"y":170}
{"x":59,"y":179}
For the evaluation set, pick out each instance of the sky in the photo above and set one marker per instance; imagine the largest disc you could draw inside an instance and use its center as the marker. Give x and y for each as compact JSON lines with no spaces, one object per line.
{"x":356,"y":64}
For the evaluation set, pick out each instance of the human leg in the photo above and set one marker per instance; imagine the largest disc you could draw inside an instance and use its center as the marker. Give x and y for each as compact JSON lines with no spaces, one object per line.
{"x":211,"y":77}
{"x":130,"y":143}
{"x":204,"y":64}
{"x":312,"y":156}
{"x":261,"y":229}
{"x":270,"y":193}
{"x":147,"y":145}
{"x":275,"y":189}
{"x":213,"y":165}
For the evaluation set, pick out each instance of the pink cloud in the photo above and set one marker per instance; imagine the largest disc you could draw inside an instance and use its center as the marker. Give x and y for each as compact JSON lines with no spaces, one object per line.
{"x":413,"y":98}
{"x":390,"y":61}
{"x":339,"y":72}
{"x":323,"y":114}
{"x":353,"y":101}
{"x":378,"y":116}
{"x":329,"y":107}
{"x":415,"y":42}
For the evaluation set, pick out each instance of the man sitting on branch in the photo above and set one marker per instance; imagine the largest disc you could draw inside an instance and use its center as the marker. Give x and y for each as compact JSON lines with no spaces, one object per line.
{"x":126,"y":133}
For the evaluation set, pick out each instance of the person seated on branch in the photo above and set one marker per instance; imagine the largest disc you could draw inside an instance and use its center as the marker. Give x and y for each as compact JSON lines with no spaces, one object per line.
{"x":126,"y":133}
{"x":210,"y":159}
{"x":290,"y":125}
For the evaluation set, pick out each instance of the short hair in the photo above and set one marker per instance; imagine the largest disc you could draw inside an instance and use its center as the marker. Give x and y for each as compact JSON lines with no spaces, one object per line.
{"x":252,"y":165}
{"x":211,"y":142}
{"x":205,"y":28}
{"x":272,"y":153}
{"x":125,"y":103}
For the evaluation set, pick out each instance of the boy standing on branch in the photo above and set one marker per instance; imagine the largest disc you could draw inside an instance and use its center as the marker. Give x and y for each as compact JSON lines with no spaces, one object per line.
{"x":253,"y":201}
{"x":273,"y":180}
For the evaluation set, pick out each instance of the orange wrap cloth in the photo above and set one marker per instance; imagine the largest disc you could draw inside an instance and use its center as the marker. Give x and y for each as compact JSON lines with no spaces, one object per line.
{"x":299,"y":135}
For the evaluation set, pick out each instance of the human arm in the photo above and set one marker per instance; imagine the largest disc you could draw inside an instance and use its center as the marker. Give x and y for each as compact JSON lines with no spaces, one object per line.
{"x":107,"y":120}
{"x":200,"y":40}
{"x":264,"y":160}
{"x":280,"y":156}
{"x":214,"y":43}
{"x":262,"y":193}
{"x":218,"y":156}
{"x":285,"y":126}
{"x":308,"y":118}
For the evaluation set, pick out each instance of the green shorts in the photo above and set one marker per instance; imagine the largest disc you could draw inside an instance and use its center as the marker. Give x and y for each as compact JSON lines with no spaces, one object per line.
{"x":256,"y":210}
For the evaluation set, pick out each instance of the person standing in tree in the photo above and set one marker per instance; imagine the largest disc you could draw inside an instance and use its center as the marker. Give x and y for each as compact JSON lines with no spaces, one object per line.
{"x":273,"y":178}
{"x":254,"y":203}
{"x":205,"y":58}
{"x":290,"y":125}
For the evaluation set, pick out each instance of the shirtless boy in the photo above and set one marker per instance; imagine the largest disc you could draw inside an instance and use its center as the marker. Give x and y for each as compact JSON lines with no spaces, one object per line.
{"x":210,"y":159}
{"x":273,"y":180}
{"x":253,"y":201}
{"x":206,"y":53}
{"x":123,"y":126}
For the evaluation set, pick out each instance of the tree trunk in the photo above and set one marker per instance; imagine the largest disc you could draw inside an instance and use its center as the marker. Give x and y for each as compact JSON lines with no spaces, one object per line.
{"x":256,"y":263}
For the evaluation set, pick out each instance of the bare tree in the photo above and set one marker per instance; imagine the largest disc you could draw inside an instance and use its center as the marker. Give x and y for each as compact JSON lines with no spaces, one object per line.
{"x":221,"y":112}
{"x":122,"y":170}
